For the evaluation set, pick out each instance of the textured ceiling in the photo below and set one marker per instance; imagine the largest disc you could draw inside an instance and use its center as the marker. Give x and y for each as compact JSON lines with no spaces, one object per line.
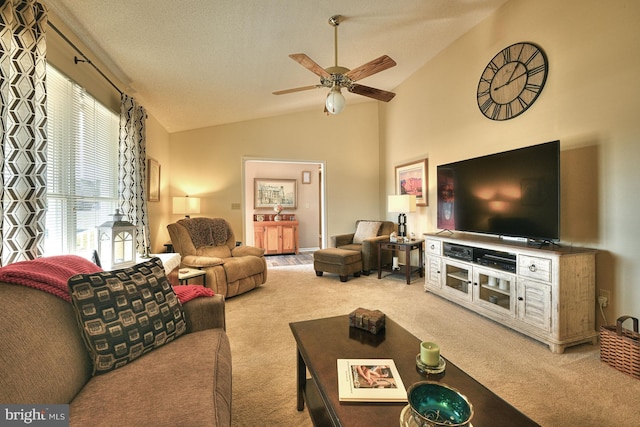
{"x":199,"y":63}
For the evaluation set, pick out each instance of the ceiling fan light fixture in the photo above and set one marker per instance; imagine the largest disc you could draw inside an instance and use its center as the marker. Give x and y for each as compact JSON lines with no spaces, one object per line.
{"x":337,"y":77}
{"x":335,"y":101}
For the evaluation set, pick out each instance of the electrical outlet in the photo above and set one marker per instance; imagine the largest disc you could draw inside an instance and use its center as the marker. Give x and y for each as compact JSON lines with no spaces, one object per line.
{"x":603,"y":297}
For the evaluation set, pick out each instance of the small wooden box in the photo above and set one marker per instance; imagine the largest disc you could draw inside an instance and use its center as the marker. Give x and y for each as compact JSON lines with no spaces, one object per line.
{"x":368,"y":320}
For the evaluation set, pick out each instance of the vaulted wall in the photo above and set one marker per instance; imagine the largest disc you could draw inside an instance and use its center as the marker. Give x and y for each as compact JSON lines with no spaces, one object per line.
{"x":590,"y":103}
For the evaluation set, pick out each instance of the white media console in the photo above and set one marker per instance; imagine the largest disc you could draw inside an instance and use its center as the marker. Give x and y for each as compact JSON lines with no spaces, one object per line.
{"x":546,"y":293}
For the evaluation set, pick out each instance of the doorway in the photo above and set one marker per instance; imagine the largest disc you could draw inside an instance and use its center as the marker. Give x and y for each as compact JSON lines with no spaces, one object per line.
{"x":310,"y":210}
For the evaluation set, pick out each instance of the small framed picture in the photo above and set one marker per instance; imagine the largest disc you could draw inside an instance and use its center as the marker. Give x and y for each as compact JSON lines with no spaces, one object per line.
{"x":270,"y":192}
{"x":306,"y":177}
{"x":411,"y":178}
{"x":153,"y":181}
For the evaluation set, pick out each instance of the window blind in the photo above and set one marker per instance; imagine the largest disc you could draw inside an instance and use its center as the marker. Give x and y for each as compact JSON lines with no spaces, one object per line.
{"x":82,"y":166}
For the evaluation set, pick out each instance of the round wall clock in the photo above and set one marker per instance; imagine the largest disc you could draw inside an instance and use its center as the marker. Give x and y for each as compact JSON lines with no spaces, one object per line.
{"x":512,"y":81}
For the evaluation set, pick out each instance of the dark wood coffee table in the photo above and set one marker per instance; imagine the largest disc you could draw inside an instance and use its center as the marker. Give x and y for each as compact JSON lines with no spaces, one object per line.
{"x":321,"y":342}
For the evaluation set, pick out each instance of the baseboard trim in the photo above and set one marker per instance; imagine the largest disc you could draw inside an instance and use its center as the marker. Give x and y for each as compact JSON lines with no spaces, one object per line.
{"x":309,"y":249}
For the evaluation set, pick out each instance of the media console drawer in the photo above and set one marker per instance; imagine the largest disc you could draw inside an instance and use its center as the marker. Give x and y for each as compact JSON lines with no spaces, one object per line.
{"x":534,"y":267}
{"x":434,"y":247}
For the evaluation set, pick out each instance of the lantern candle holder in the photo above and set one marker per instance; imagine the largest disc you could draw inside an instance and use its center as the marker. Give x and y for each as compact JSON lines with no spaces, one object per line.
{"x":117,"y":243}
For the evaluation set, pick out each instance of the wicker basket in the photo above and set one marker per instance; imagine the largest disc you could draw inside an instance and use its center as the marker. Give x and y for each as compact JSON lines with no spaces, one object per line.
{"x":620,"y":347}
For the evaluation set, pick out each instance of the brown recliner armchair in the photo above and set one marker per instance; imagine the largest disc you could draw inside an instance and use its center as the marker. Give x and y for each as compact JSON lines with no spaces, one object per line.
{"x":364,"y":239}
{"x":210,"y":245}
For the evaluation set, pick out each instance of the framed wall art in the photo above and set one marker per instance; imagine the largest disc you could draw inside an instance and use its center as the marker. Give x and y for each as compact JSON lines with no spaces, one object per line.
{"x":269,"y":192}
{"x":153,"y":180}
{"x":411,"y":178}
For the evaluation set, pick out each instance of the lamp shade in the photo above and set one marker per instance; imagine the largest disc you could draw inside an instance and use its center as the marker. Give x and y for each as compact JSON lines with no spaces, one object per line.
{"x":401,"y":204}
{"x":186,"y":205}
{"x":335,"y":101}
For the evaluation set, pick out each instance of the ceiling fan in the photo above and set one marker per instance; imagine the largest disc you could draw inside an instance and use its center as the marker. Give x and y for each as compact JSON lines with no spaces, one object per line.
{"x":336,"y":78}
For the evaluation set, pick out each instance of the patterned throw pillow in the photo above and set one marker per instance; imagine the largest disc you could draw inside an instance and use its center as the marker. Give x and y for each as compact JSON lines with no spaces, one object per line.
{"x":124,"y":314}
{"x":366,"y":230}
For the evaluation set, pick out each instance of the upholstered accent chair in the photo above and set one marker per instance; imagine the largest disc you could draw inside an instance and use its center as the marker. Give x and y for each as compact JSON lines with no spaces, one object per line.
{"x":364,"y":239}
{"x":210,"y":244}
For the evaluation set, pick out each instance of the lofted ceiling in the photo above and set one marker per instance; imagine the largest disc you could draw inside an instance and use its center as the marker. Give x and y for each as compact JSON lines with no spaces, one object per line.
{"x":199,"y":63}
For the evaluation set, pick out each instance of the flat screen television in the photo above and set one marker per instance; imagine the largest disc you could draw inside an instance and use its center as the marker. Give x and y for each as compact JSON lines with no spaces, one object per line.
{"x":515,"y":193}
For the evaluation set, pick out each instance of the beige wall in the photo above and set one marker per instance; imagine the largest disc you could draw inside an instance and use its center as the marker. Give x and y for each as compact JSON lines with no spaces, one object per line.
{"x":60,"y":54}
{"x":207,"y":162}
{"x":160,"y":211}
{"x":590,"y":102}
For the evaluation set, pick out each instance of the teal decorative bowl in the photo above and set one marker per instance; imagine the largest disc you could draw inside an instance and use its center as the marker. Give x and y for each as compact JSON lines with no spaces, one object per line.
{"x":434,"y":404}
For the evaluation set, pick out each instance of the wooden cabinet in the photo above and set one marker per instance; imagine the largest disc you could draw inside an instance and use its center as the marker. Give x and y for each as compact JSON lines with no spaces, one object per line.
{"x":457,"y":280}
{"x":546,"y":293}
{"x":433,"y":264}
{"x":495,"y":290}
{"x":534,"y":304}
{"x":276,"y":237}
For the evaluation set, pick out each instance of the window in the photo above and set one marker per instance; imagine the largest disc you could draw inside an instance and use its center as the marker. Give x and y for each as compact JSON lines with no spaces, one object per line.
{"x":82,"y":166}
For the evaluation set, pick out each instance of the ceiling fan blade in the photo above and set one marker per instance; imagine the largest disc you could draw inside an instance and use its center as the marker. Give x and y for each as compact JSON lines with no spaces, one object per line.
{"x":309,"y":64}
{"x":371,"y":67}
{"x":297,"y":89}
{"x":379,"y":94}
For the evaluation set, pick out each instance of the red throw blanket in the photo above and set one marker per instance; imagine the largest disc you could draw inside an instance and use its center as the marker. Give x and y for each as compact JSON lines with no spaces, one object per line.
{"x":188,"y":292}
{"x":51,"y":274}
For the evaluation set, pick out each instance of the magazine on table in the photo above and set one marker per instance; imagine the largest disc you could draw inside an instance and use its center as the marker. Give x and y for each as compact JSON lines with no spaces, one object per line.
{"x":369,"y":380}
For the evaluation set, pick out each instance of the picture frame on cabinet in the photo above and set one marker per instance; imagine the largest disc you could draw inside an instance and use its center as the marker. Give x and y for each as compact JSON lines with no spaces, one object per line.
{"x":411,"y":178}
{"x":268,"y":192}
{"x":153,"y":180}
{"x":306,"y":177}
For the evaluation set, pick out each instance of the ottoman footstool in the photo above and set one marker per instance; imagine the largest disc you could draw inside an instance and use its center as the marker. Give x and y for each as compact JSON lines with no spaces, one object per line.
{"x":342,"y":262}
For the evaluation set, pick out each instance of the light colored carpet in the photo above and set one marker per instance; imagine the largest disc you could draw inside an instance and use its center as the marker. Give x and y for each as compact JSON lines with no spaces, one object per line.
{"x":570,"y":389}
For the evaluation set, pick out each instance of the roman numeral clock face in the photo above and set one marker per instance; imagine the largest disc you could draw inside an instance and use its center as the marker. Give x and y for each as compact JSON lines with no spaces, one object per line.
{"x":512,"y":81}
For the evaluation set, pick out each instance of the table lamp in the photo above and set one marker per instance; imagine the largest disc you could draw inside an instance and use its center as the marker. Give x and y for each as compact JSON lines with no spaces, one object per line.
{"x":402,"y":205}
{"x":186,"y":205}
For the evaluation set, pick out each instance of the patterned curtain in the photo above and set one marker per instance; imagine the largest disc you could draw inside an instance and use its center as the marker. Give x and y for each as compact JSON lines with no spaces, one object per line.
{"x":133,"y":169}
{"x":23,"y":123}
